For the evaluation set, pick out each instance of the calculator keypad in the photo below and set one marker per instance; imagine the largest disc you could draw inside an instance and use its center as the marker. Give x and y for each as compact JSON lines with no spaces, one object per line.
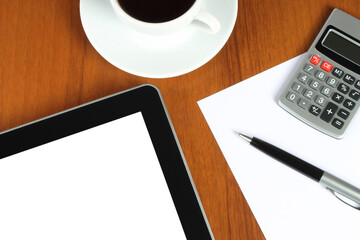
{"x":325,"y":91}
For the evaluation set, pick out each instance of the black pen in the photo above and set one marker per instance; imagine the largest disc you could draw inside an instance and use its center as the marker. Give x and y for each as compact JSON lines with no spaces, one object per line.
{"x":339,"y":188}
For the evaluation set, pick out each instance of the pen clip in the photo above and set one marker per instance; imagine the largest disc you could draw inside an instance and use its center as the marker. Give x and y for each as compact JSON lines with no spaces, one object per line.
{"x":341,"y":197}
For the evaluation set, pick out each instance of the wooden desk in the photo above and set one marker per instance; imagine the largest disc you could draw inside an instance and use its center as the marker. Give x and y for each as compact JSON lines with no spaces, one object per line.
{"x":47,"y":65}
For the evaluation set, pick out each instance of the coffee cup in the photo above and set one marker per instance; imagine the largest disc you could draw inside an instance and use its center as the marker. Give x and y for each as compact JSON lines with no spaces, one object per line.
{"x":159,"y":17}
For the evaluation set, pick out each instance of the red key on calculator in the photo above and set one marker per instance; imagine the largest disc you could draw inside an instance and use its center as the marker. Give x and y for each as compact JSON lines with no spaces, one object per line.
{"x":326,"y":66}
{"x":315,"y":60}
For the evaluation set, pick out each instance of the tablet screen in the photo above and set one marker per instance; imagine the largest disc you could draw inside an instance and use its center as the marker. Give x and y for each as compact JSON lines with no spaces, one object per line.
{"x":103,"y":183}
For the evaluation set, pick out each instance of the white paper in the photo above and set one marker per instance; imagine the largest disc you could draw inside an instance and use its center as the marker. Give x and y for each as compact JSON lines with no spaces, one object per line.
{"x":103,"y":183}
{"x":286,"y":204}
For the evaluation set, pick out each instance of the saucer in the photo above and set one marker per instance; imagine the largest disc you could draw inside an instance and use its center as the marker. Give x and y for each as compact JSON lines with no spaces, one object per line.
{"x":155,"y":56}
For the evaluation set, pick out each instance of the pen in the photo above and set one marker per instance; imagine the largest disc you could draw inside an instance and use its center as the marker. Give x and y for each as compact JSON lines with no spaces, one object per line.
{"x":342,"y":190}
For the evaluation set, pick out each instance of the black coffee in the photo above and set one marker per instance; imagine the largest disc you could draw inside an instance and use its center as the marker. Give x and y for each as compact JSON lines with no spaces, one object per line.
{"x":155,"y":11}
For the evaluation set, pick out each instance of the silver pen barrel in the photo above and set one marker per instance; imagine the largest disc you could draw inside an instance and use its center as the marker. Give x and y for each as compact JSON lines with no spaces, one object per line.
{"x":336,"y":185}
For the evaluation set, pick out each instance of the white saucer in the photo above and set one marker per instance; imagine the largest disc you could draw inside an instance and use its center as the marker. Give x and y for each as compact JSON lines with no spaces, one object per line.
{"x":155,"y":56}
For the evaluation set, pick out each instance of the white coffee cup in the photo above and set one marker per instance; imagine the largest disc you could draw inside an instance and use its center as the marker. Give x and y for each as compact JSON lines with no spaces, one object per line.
{"x":194,"y":16}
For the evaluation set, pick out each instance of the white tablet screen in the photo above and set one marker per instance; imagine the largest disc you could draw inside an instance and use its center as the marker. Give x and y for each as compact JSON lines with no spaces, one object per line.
{"x":103,"y":183}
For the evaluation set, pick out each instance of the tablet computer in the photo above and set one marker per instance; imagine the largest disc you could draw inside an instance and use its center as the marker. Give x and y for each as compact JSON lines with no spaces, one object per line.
{"x":109,"y":169}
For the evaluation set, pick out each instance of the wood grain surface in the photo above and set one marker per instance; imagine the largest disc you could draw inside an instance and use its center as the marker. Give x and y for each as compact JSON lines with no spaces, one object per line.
{"x":48,"y":65}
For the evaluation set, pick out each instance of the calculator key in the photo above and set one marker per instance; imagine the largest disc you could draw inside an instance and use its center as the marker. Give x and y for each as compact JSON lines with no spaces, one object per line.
{"x":320,"y":75}
{"x":309,"y":69}
{"x":309,"y":94}
{"x":303,"y":78}
{"x":326,"y":91}
{"x":292,"y":97}
{"x":338,"y":72}
{"x":357,"y":84}
{"x":315,"y":60}
{"x":349,"y":104}
{"x":315,"y":84}
{"x":326,"y":66}
{"x":354,"y":95}
{"x":337,"y":123}
{"x":343,"y":114}
{"x":303,"y":103}
{"x":315,"y":110}
{"x":343,"y":88}
{"x":349,"y":79}
{"x":337,"y":97}
{"x":329,"y":112}
{"x":298,"y":87}
{"x":320,"y":100}
{"x":332,"y":82}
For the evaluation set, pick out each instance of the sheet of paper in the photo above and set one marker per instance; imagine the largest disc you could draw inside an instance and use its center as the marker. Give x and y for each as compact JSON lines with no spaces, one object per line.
{"x":286,"y":204}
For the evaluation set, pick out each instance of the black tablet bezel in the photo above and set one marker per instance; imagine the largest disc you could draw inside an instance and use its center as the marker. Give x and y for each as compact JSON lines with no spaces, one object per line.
{"x":145,"y":99}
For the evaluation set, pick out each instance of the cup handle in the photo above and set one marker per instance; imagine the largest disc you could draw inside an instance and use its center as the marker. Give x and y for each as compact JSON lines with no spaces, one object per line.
{"x":206,"y":22}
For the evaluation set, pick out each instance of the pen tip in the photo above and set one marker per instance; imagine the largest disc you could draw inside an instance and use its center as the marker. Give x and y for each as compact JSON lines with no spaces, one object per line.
{"x":247,"y":138}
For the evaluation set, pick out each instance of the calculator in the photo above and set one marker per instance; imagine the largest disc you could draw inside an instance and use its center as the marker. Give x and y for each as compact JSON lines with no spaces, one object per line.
{"x":324,"y":89}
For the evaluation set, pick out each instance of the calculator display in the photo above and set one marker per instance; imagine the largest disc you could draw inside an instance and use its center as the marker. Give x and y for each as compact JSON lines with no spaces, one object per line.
{"x":342,"y":45}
